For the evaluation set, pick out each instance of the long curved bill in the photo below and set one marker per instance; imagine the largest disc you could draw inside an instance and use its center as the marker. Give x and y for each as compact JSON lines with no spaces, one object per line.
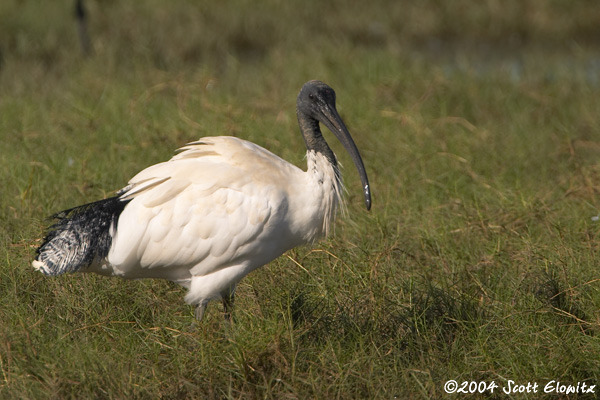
{"x":335,"y":124}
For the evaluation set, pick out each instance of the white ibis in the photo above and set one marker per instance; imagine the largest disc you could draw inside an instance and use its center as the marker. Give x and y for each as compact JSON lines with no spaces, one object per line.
{"x":216,"y":211}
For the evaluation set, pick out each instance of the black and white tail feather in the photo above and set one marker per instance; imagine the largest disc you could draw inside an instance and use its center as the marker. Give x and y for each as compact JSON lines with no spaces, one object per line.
{"x":80,"y":237}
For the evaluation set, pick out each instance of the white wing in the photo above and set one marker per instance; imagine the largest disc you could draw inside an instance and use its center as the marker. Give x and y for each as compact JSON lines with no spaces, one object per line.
{"x":222,"y":201}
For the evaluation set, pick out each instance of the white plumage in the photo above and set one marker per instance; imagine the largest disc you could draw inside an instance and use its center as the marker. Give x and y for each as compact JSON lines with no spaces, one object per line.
{"x":217,"y":210}
{"x":205,"y":206}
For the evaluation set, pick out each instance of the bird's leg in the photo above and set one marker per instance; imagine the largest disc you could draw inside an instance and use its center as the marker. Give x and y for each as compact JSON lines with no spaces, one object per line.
{"x":199,"y":312}
{"x":227,"y":299}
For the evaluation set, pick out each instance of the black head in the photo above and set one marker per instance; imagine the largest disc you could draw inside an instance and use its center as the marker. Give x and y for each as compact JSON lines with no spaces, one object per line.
{"x":314,"y":98}
{"x":316,"y":103}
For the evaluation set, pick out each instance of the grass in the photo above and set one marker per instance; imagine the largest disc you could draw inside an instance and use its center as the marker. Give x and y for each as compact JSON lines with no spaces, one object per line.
{"x":479,"y":128}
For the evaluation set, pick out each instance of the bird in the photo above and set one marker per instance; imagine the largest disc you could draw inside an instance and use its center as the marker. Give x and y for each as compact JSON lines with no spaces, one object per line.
{"x":82,"y":28}
{"x":220,"y":208}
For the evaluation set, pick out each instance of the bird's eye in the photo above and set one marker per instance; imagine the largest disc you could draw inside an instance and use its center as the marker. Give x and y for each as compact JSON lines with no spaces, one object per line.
{"x":311,"y":96}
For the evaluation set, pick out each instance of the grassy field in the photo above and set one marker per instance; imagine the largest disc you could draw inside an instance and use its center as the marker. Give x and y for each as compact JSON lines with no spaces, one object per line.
{"x":479,"y":124}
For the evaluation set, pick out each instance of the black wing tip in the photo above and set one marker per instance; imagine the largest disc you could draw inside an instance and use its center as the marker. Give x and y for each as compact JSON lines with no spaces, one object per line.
{"x":78,"y":237}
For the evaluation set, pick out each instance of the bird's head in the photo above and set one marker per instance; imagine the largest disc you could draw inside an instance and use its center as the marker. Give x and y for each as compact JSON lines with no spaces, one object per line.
{"x":316,"y":103}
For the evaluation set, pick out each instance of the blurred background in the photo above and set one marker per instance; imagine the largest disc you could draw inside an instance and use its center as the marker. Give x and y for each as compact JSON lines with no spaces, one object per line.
{"x":518,"y":37}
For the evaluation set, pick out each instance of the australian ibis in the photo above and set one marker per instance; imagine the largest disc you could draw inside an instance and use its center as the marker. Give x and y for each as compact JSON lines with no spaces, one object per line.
{"x":216,"y":211}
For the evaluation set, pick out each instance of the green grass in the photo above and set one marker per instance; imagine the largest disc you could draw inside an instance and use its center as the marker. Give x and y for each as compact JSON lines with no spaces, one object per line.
{"x":479,"y":127}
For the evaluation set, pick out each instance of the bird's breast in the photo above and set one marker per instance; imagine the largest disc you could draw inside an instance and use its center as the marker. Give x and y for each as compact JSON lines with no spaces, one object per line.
{"x":316,"y":199}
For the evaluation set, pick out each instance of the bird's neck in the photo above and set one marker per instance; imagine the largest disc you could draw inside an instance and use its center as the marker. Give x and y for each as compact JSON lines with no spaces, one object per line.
{"x":311,"y":132}
{"x":323,"y":173}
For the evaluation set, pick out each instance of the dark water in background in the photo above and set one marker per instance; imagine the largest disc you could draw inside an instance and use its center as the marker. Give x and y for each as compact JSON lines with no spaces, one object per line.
{"x":518,"y":63}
